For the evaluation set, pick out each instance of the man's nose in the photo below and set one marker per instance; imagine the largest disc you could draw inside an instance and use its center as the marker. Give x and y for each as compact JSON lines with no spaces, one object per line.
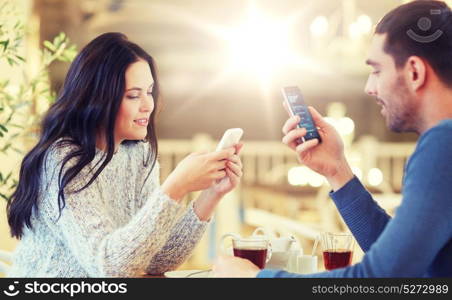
{"x":370,"y":87}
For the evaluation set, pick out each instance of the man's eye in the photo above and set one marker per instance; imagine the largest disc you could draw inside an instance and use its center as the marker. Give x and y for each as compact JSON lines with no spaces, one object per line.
{"x":376,"y":72}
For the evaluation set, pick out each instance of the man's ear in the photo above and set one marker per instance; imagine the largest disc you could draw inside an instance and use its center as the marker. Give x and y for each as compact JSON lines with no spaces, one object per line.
{"x":416,"y":72}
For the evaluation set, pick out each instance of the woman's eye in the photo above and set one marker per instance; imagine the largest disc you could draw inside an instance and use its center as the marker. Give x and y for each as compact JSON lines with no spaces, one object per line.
{"x":132,"y":97}
{"x":376,"y":72}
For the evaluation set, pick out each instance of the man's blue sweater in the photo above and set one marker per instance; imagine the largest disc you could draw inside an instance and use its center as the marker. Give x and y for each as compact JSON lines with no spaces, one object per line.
{"x":417,"y":241}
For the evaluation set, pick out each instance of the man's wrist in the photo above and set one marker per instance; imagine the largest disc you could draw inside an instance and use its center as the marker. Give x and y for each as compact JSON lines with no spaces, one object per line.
{"x":341,"y":177}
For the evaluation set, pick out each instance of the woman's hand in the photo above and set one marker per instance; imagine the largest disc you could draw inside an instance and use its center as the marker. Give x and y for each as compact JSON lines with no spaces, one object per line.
{"x":327,"y":158}
{"x":233,"y":174}
{"x":206,"y":203}
{"x":197,"y":171}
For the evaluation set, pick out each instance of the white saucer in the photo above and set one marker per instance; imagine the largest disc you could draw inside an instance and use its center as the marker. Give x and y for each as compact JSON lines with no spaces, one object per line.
{"x":188,"y":274}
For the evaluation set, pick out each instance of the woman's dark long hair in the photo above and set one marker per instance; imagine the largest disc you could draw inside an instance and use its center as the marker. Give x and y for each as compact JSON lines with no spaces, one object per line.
{"x":86,"y":107}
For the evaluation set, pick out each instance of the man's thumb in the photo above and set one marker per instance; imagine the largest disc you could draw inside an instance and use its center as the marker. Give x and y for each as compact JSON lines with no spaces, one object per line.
{"x":318,"y":119}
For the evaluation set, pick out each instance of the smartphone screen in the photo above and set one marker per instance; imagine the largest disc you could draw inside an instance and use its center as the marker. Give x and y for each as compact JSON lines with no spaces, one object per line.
{"x":297,"y":106}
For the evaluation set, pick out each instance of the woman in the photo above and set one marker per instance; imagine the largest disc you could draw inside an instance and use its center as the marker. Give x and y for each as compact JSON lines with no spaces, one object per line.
{"x":88,"y":202}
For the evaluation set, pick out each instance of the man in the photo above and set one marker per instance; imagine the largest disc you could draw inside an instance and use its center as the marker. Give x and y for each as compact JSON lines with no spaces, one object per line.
{"x":411,"y":57}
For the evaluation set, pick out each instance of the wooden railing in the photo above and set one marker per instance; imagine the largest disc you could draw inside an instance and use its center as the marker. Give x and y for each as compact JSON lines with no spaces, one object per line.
{"x":268,"y":162}
{"x":265,"y":198}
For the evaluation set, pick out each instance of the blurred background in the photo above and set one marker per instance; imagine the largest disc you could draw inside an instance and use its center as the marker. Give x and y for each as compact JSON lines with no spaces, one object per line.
{"x":222,"y":65}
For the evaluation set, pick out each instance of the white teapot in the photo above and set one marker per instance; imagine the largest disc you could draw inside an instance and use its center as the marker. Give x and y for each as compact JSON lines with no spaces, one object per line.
{"x":280,"y":248}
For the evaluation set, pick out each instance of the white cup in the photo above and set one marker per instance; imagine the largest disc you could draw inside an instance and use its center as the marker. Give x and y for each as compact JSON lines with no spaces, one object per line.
{"x":278,"y":260}
{"x":307,"y":264}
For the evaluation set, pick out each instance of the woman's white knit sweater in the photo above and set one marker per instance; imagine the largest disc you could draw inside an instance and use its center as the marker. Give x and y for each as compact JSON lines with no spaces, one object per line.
{"x":122,"y":225}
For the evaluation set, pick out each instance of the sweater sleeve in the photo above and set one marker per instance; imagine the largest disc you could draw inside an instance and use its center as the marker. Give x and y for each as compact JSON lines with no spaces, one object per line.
{"x":87,"y":230}
{"x":363,"y":216}
{"x":422,"y":225}
{"x":184,"y":237}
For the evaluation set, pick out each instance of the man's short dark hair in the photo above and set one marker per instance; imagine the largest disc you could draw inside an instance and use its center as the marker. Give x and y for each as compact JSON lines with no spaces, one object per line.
{"x":420,"y":28}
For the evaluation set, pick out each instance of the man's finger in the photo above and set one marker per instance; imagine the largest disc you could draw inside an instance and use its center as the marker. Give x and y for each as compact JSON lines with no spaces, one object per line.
{"x":292,"y":138}
{"x":318,"y":119}
{"x":306,"y":146}
{"x":290,"y":124}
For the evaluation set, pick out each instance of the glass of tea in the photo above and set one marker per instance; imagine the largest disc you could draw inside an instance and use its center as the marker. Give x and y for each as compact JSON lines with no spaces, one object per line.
{"x":255,"y":248}
{"x":337,"y":250}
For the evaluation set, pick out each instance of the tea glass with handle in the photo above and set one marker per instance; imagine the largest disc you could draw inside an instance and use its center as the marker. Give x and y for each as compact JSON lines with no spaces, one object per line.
{"x":255,"y":249}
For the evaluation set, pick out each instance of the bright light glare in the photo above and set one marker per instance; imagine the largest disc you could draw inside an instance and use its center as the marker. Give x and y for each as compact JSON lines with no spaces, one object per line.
{"x":315,"y":179}
{"x":357,"y":171}
{"x":260,"y":45}
{"x":304,"y":176}
{"x":365,"y":23}
{"x":354,"y":30}
{"x":375,"y":177}
{"x":319,"y":27}
{"x":344,"y":126}
{"x":298,"y":176}
{"x":362,"y":26}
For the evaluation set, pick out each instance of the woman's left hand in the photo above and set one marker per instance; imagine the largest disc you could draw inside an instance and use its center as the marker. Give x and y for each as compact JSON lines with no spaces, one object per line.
{"x":233,"y":174}
{"x":205,"y":205}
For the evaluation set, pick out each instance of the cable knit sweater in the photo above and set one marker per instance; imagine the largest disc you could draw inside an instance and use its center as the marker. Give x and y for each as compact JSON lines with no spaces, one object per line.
{"x":122,"y":225}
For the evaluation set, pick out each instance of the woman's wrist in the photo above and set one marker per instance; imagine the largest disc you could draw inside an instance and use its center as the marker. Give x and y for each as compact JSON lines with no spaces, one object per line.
{"x":206,"y":203}
{"x":211,"y":196}
{"x":173,"y":190}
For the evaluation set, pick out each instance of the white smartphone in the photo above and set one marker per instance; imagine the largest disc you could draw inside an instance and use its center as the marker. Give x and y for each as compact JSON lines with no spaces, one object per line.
{"x":230,"y":138}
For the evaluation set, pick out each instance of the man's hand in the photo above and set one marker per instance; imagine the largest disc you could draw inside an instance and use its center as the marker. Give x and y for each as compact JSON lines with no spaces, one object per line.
{"x":327,"y":158}
{"x":231,"y":266}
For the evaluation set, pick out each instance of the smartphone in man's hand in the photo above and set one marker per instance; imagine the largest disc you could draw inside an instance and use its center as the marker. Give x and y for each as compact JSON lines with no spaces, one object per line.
{"x":296,"y":105}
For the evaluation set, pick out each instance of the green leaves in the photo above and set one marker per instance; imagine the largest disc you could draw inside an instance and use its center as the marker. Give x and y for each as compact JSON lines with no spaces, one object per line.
{"x":5,"y":44}
{"x":59,"y":49}
{"x":49,"y":46}
{"x":3,"y":130}
{"x":23,"y":102}
{"x":8,"y":183}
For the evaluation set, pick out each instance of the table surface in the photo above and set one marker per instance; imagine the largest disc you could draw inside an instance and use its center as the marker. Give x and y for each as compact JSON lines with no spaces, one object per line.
{"x":153,"y":276}
{"x":189,"y":272}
